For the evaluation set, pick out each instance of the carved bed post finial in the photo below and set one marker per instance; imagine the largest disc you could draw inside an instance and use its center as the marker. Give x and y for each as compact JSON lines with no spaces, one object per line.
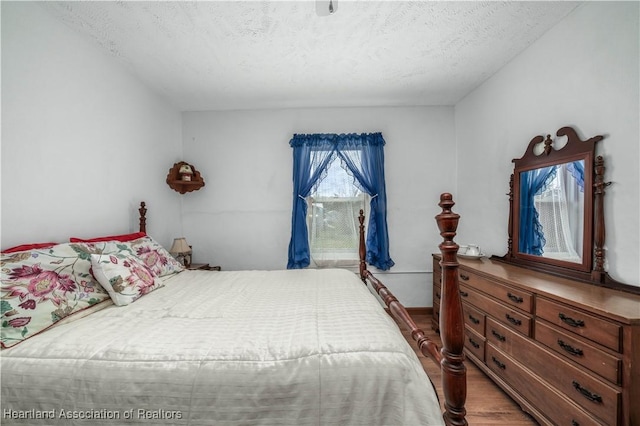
{"x":143,"y":219}
{"x":362,"y":250}
{"x":454,"y":372}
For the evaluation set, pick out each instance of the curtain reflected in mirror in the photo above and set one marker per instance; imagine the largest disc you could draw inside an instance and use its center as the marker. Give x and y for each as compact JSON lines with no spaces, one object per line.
{"x":552,"y":212}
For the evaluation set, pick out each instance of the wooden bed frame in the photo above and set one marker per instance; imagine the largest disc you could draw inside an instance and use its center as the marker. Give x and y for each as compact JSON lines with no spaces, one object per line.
{"x":450,"y":356}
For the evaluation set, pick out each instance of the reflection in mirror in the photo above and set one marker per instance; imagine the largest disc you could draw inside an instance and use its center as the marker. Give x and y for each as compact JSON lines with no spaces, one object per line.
{"x":552,"y":212}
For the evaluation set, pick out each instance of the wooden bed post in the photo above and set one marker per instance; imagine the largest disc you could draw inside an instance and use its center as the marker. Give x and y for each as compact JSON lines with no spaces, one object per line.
{"x":143,"y":217}
{"x":450,"y":357}
{"x":454,"y":373}
{"x":362,"y":249}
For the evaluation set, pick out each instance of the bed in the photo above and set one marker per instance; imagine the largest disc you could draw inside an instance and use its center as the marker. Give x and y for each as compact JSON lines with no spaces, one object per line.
{"x":292,"y":347}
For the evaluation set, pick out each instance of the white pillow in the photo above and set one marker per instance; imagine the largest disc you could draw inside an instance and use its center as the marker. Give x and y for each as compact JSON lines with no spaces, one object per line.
{"x":125,"y":278}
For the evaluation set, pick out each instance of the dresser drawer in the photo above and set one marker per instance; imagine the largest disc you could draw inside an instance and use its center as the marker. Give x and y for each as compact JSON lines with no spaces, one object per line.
{"x":578,"y":384}
{"x":437,"y":272}
{"x":474,"y":342}
{"x":509,"y":295}
{"x":437,"y":293}
{"x":473,"y":318}
{"x":580,"y":351}
{"x":558,"y":409}
{"x":602,"y":331}
{"x":513,"y":318}
{"x":499,"y":335}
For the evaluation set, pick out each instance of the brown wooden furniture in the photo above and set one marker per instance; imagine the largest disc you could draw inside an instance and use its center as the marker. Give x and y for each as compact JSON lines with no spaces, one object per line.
{"x":590,"y":267}
{"x":486,"y":403}
{"x":204,"y":267}
{"x":450,"y":357}
{"x":552,"y":328}
{"x":566,"y":352}
{"x":183,"y":186}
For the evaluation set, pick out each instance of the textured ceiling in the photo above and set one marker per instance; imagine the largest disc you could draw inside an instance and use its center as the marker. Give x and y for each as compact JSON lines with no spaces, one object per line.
{"x":274,"y":54}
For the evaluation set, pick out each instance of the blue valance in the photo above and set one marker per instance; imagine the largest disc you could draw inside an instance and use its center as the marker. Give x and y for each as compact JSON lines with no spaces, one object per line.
{"x":328,"y":140}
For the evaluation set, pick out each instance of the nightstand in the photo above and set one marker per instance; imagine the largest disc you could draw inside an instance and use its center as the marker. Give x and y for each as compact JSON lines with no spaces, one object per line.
{"x":203,"y":267}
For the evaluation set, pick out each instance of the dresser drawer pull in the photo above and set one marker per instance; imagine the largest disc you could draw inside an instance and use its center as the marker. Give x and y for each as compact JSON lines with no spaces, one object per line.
{"x":464,"y":293}
{"x":515,"y":298}
{"x":464,"y":277}
{"x":498,"y":336}
{"x":574,"y":423}
{"x":512,"y":320}
{"x":474,"y":343}
{"x":474,"y":319}
{"x":586,"y":393}
{"x":569,"y":348}
{"x":570,"y":321}
{"x":500,"y":365}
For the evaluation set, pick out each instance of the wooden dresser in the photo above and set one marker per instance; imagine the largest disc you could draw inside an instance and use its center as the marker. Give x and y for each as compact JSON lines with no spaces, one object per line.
{"x":566,"y":351}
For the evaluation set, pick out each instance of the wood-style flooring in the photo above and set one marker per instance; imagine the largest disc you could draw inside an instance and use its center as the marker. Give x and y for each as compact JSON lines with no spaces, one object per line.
{"x":487,"y":404}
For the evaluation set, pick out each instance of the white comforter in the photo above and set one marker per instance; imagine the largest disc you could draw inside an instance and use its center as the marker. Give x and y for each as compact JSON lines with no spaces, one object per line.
{"x":303,"y":347}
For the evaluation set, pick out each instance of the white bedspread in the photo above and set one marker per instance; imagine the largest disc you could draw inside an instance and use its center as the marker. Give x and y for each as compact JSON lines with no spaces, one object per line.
{"x":299,"y":347}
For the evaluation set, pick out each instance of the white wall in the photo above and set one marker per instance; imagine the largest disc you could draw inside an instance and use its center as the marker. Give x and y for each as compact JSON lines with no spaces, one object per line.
{"x":582,"y":73}
{"x":241,"y":219}
{"x":83,"y":142}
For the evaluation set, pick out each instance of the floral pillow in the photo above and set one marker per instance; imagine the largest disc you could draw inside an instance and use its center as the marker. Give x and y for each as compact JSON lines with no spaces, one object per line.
{"x":42,"y":286}
{"x":126,"y":278}
{"x":155,"y":257}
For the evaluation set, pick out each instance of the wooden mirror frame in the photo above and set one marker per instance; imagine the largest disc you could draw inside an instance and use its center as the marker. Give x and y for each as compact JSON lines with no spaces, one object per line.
{"x":591,"y":270}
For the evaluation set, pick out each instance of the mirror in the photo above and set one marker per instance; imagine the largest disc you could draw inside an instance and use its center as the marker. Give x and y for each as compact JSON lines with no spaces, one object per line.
{"x":552,"y":207}
{"x":556,"y":214}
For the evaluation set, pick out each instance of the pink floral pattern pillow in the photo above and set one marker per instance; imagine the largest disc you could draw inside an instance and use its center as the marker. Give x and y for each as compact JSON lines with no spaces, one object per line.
{"x":155,"y":257}
{"x":42,"y":286}
{"x":125,"y":278}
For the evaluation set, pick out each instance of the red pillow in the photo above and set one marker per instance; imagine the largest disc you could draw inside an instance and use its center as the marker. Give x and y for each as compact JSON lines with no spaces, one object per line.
{"x":122,"y":238}
{"x":25,"y":247}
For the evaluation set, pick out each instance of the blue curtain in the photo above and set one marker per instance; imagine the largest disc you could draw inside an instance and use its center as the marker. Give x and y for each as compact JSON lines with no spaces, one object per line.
{"x":576,"y":168}
{"x":363,"y":156}
{"x":533,"y":182}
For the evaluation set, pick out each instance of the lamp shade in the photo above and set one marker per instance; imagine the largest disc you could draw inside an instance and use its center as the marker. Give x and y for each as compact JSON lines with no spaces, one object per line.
{"x":180,"y":246}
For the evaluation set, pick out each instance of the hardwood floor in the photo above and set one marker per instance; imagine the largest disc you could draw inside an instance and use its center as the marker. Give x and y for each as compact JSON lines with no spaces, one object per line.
{"x":486,"y":403}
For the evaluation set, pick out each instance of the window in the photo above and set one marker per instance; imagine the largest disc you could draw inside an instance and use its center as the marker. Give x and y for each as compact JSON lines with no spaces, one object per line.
{"x":361,"y":158}
{"x":332,"y":218}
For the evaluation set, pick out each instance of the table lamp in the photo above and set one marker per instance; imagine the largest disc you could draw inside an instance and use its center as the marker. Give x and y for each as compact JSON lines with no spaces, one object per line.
{"x":181,"y":250}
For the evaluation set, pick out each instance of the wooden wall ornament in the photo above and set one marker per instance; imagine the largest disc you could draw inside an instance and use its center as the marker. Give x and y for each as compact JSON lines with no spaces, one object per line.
{"x":176,"y":181}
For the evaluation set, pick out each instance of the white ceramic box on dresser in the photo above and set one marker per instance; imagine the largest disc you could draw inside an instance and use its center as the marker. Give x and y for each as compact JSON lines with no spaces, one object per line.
{"x":565,"y":350}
